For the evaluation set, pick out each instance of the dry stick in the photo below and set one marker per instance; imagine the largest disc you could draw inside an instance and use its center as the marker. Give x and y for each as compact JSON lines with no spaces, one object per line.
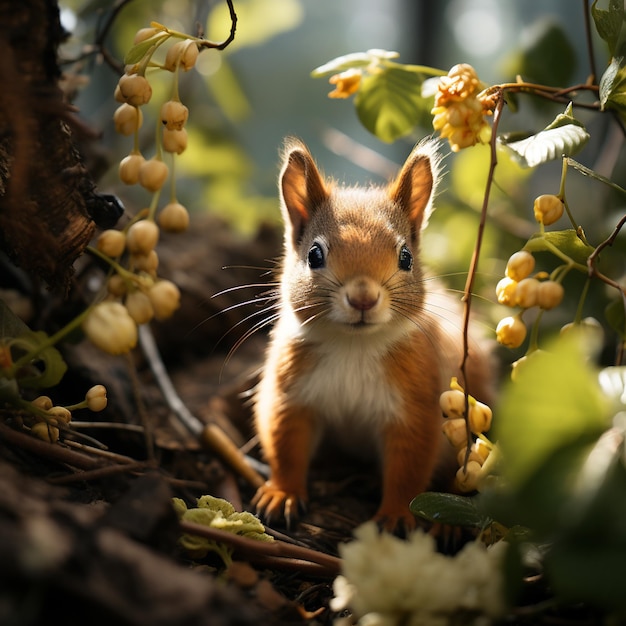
{"x":209,"y":434}
{"x":469,"y":284}
{"x":47,"y":450}
{"x":276,"y":549}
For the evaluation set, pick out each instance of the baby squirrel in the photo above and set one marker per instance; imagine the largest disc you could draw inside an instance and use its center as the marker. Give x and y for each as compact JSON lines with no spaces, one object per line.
{"x":362,"y":348}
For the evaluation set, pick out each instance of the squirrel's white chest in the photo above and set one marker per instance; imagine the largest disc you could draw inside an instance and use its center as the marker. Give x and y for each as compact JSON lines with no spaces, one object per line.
{"x":348,"y":385}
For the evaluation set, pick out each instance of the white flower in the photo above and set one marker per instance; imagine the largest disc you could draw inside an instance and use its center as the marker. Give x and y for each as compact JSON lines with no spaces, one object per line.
{"x":386,"y":580}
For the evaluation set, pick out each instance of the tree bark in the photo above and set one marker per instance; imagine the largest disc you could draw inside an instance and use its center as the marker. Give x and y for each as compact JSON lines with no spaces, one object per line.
{"x":45,"y":191}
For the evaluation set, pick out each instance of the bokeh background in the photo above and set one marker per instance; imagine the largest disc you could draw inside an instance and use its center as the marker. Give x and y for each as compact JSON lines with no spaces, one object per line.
{"x":245,"y":100}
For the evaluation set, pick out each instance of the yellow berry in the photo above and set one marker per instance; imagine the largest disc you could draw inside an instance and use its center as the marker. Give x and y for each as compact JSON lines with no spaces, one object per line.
{"x":455,"y":430}
{"x":116,"y":285}
{"x":139,"y":307}
{"x":60,"y":414}
{"x":111,"y":242}
{"x":173,"y":218}
{"x":505,"y":291}
{"x":548,"y":208}
{"x":473,"y":456}
{"x":142,"y":237}
{"x":165,"y":298}
{"x":129,"y":168}
{"x":152,"y":174}
{"x":42,"y":402}
{"x":43,"y":430}
{"x":511,"y":332}
{"x":479,"y":418}
{"x":174,"y":114}
{"x":183,"y":53}
{"x":481,"y":450}
{"x":145,"y":262}
{"x":145,"y":33}
{"x":96,"y":398}
{"x":127,"y":119}
{"x":526,"y":293}
{"x":110,"y":328}
{"x":550,"y":294}
{"x":468,"y":478}
{"x":175,"y":141}
{"x":452,"y":403}
{"x":135,"y":89}
{"x":520,"y":265}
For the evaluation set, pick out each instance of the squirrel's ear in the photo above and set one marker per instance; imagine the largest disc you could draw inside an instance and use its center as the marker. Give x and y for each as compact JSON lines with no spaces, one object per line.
{"x":302,"y":187}
{"x":414,"y":188}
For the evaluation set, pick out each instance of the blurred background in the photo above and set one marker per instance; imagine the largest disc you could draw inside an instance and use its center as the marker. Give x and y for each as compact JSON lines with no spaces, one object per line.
{"x":245,"y":100}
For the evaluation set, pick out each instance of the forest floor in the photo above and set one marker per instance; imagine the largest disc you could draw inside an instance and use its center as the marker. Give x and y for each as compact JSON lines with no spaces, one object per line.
{"x":88,"y":533}
{"x":87,"y":529}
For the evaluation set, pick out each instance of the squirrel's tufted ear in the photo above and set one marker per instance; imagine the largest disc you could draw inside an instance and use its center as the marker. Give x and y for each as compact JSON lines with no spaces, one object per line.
{"x":414,"y":188}
{"x":301,"y":187}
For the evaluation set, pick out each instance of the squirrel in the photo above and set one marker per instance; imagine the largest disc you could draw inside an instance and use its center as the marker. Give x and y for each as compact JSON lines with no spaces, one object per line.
{"x":363,"y":345}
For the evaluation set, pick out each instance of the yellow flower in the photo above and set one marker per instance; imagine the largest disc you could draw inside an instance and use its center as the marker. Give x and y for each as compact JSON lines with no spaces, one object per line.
{"x":459,"y":111}
{"x":346,"y":83}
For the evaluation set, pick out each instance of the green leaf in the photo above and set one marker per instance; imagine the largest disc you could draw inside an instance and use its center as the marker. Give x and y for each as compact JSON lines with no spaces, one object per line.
{"x":354,"y":60}
{"x":390,"y":104}
{"x":139,"y":51}
{"x":609,"y":23}
{"x":447,"y":508}
{"x":567,"y":241}
{"x":46,"y":370}
{"x":613,"y":87}
{"x":555,"y":399}
{"x":564,"y":136}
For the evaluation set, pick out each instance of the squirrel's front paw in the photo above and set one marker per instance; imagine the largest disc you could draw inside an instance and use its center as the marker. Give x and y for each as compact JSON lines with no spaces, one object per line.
{"x":400,"y":521}
{"x":272,"y":502}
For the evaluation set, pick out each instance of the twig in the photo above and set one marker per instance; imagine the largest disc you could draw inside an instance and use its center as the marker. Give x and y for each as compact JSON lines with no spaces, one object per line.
{"x":589,"y":41}
{"x":51,"y":451}
{"x":280,"y":552}
{"x":98,"y":474}
{"x":208,"y":434}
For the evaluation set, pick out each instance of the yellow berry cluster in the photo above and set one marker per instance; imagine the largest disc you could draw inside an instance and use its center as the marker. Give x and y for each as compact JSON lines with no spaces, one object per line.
{"x":48,"y":419}
{"x":519,"y":288}
{"x":135,"y":293}
{"x":133,"y":91}
{"x":460,"y":108}
{"x":479,"y":416}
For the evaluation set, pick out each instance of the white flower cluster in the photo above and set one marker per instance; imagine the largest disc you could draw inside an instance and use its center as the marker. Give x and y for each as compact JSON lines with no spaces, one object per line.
{"x":387,"y":581}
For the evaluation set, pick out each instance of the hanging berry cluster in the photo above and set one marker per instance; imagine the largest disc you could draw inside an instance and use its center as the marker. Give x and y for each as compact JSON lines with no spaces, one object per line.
{"x":136,"y":294}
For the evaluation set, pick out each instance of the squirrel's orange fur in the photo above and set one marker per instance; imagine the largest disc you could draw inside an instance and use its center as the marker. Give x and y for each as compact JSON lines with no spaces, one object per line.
{"x":362,"y":347}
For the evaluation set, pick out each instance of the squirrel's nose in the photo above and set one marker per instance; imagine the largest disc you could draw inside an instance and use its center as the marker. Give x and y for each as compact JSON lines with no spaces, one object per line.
{"x":363,"y":294}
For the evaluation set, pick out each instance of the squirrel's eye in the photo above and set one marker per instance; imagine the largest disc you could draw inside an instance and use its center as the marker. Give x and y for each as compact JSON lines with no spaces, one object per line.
{"x":405,"y":259}
{"x":316,"y":257}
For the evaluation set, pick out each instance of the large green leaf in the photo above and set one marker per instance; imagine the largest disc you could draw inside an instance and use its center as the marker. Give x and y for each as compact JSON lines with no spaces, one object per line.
{"x":609,"y":22}
{"x":447,"y":508}
{"x":563,"y":137}
{"x":555,"y":399}
{"x":390,"y":104}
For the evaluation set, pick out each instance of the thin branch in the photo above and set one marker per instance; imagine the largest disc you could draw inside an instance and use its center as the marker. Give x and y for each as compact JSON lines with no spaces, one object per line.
{"x":279,"y":551}
{"x":231,"y":36}
{"x":471,"y":275}
{"x":589,"y":41}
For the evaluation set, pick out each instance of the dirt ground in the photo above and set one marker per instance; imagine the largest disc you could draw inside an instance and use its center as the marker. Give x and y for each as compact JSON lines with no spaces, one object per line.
{"x":87,"y":523}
